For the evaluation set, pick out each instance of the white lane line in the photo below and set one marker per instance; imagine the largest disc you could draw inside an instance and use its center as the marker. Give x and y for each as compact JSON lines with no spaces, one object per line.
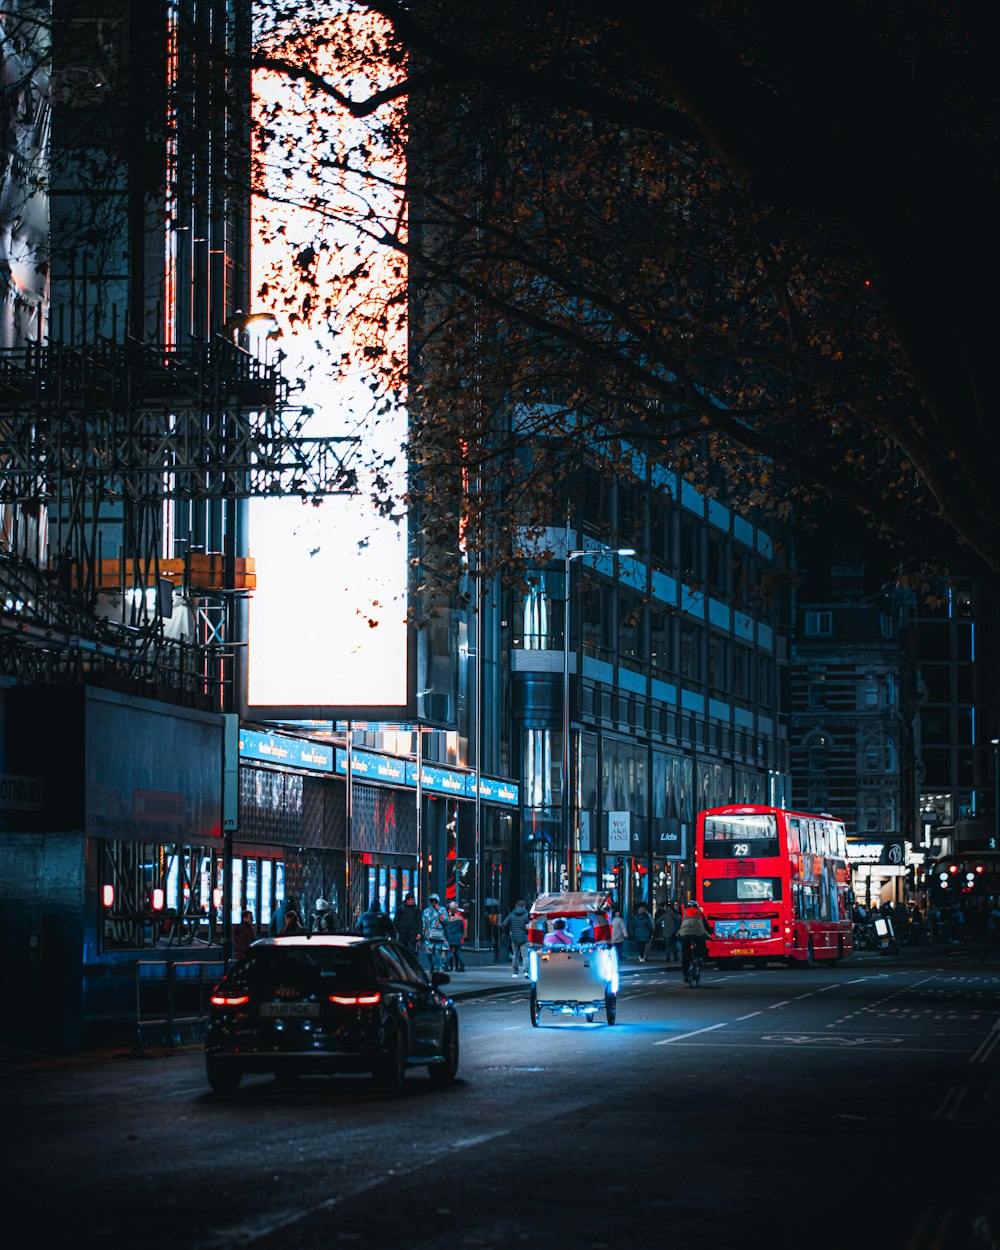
{"x":951,"y":1103}
{"x":799,"y":997}
{"x":681,"y":1036}
{"x":827,"y":987}
{"x":775,"y":1006}
{"x":988,"y":1045}
{"x":749,"y":1017}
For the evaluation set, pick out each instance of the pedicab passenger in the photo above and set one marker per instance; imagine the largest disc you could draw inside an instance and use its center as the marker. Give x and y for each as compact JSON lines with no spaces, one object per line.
{"x":559,"y":935}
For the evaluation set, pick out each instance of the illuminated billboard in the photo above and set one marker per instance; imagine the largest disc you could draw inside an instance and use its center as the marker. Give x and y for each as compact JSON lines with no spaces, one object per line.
{"x":327,"y":633}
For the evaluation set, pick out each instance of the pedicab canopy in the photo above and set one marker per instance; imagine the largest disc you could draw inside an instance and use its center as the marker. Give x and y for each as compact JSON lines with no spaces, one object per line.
{"x":578,"y":908}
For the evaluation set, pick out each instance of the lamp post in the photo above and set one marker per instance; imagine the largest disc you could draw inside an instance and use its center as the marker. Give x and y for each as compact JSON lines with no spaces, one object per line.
{"x":569,"y":558}
{"x":996,"y":792}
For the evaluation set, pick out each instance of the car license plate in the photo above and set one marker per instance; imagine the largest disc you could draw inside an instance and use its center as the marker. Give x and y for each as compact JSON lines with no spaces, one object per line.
{"x":289,"y":1009}
{"x":742,"y":950}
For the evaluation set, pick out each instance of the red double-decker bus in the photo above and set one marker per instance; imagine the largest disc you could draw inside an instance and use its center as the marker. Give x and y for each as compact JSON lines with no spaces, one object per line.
{"x":774,"y":885}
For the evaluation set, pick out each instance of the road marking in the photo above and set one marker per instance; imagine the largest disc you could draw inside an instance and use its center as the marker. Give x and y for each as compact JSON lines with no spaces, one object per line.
{"x":951,"y":1103}
{"x":681,"y":1036}
{"x":775,"y":1006}
{"x":799,"y":997}
{"x":749,"y":1017}
{"x":987,"y":1047}
{"x":824,"y":1039}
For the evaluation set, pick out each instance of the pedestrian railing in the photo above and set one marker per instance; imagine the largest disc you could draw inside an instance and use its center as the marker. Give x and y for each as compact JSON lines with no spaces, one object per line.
{"x":172,"y":997}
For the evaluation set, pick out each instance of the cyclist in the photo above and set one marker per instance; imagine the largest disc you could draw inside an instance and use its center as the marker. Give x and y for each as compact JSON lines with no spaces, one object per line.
{"x":693,"y":932}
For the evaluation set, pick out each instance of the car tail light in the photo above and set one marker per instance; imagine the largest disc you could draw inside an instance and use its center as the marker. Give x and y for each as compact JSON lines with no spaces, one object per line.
{"x":229,"y":1000}
{"x":355,"y":1000}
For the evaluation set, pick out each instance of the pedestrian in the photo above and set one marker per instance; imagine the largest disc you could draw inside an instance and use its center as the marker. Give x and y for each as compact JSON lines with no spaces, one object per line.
{"x":374,"y":922}
{"x":322,"y":917}
{"x":455,"y":929}
{"x":643,"y":930}
{"x":992,"y":931}
{"x":292,"y":926}
{"x":432,"y":932}
{"x":243,"y":935}
{"x":285,"y":905}
{"x":619,"y":934}
{"x":515,"y":925}
{"x":671,"y":923}
{"x":406,"y":918}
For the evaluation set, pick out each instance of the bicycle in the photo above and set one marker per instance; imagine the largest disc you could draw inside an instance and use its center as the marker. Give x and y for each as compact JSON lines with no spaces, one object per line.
{"x":693,"y":974}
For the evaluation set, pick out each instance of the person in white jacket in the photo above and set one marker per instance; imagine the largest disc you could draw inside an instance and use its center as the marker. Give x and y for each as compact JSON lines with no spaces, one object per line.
{"x":619,"y":934}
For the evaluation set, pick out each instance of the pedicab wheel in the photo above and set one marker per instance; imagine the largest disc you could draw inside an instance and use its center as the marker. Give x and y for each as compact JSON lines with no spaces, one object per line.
{"x":610,"y":1006}
{"x":536,"y":1011}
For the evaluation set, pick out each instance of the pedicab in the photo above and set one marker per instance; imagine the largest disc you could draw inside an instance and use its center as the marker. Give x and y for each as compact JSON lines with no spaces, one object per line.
{"x":578,"y":977}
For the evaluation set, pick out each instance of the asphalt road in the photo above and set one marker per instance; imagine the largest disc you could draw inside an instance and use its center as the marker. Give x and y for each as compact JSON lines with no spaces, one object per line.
{"x":775,"y":1108}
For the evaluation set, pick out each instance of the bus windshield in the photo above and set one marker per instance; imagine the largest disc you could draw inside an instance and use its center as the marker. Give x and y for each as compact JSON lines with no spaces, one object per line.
{"x":740,"y":836}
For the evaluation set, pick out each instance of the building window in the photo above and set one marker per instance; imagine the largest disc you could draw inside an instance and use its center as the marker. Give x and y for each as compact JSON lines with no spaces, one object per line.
{"x":597,"y":623}
{"x":817,"y":690}
{"x":541,"y":625}
{"x":659,"y":642}
{"x":718,"y":568}
{"x":743,"y":670}
{"x":819,"y":624}
{"x":818,"y":746}
{"x":631,"y":638}
{"x":871,"y":691}
{"x":890,"y":813}
{"x":717,"y":663}
{"x":661,"y":547}
{"x":890,"y":755}
{"x":690,"y":660}
{"x":691,"y":565}
{"x":873,"y":756}
{"x":870,"y":814}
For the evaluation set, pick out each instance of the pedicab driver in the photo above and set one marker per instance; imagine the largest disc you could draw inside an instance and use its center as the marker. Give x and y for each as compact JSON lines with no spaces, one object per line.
{"x":693,"y":931}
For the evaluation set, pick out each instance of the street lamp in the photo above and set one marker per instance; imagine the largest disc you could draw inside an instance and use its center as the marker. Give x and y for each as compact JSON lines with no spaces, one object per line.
{"x":996,"y":792}
{"x":569,"y":558}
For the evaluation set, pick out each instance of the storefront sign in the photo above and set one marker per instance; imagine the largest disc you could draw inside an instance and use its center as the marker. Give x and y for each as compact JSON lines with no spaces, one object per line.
{"x":875,"y":852}
{"x":277,"y":749}
{"x":619,"y":831}
{"x":432,"y":777}
{"x":370,"y":766}
{"x":493,"y":791}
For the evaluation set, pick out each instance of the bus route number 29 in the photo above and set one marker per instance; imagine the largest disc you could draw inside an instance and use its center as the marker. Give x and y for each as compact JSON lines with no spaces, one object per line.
{"x":741,"y":849}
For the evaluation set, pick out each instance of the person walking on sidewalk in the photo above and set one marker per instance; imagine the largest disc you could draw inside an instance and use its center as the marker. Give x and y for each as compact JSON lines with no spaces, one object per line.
{"x":406,"y":918}
{"x":643,"y":930}
{"x":515,"y":925}
{"x":432,"y":932}
{"x":619,"y":934}
{"x":669,"y":921}
{"x":455,"y":929}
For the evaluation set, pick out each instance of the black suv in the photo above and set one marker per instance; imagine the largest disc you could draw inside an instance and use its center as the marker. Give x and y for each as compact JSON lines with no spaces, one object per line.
{"x":318,"y":1004}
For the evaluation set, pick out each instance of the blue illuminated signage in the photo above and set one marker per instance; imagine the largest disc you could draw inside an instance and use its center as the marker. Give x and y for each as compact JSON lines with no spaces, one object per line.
{"x":437,"y":779}
{"x":493,"y":791}
{"x":373,"y":767}
{"x":277,"y":749}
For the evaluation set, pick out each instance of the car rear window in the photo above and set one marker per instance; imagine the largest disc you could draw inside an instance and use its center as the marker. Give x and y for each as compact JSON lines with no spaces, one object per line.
{"x":304,"y":965}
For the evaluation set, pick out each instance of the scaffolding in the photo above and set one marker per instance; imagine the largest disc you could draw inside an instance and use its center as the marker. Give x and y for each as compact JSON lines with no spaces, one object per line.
{"x":101,"y":438}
